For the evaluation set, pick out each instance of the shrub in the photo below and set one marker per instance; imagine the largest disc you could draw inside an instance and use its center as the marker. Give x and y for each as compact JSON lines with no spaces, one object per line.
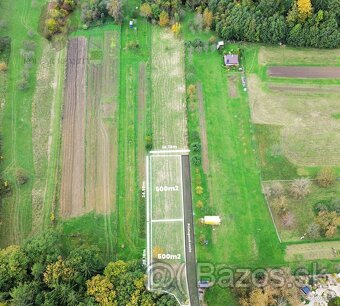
{"x":199,"y":204}
{"x":196,"y":160}
{"x":277,"y":189}
{"x":163,"y":19}
{"x":326,"y":177}
{"x":313,"y":231}
{"x":195,"y":147}
{"x":148,"y":142}
{"x":132,"y":45}
{"x":199,"y":190}
{"x":3,"y":66}
{"x":21,"y":177}
{"x":300,"y":188}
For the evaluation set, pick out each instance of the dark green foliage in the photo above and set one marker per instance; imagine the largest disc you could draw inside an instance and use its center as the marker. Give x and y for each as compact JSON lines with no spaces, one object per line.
{"x":334,"y":302}
{"x":266,"y":21}
{"x":94,"y":12}
{"x":195,"y":147}
{"x":23,"y":271}
{"x":196,"y":160}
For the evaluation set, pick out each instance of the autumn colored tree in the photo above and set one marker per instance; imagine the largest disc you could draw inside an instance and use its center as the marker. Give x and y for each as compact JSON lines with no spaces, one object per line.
{"x":329,"y":222}
{"x":145,"y":10}
{"x":304,"y":8}
{"x":163,"y":19}
{"x":207,"y":19}
{"x":114,"y":8}
{"x":102,"y":290}
{"x":3,"y":66}
{"x":326,"y":177}
{"x":176,"y":28}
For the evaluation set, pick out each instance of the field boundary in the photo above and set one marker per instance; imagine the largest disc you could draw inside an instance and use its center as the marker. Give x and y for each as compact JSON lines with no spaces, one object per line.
{"x":178,"y":268}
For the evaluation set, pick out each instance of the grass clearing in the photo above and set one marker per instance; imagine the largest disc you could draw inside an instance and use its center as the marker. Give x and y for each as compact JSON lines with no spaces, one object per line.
{"x":168,"y":91}
{"x":167,"y":187}
{"x":46,"y":110}
{"x":313,"y":251}
{"x":270,"y":55}
{"x":16,"y":210}
{"x":310,"y":134}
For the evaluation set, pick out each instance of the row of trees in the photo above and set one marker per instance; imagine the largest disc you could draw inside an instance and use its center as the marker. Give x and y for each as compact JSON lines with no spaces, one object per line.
{"x":56,"y":15}
{"x":96,"y":11}
{"x":41,"y":272}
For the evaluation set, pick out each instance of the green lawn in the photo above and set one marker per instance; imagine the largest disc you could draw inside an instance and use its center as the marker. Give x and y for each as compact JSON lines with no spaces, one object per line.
{"x":246,"y":235}
{"x":16,"y":210}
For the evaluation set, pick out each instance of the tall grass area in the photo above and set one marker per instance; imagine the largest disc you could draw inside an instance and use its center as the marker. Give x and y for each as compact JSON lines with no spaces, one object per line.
{"x":21,"y":16}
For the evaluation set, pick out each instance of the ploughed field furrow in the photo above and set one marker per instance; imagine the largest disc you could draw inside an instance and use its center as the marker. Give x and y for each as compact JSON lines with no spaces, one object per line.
{"x":73,"y":131}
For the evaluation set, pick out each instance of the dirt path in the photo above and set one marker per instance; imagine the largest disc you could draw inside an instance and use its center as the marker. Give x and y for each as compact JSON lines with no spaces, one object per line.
{"x":232,"y":86}
{"x":304,"y":72}
{"x":203,"y":129}
{"x":73,"y":148}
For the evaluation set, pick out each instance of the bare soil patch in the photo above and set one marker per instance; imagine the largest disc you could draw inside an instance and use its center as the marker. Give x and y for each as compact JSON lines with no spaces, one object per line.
{"x":73,"y":131}
{"x":304,"y":72}
{"x":232,"y":86}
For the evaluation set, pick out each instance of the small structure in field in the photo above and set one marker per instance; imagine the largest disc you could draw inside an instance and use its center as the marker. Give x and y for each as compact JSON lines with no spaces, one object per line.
{"x":220,"y":44}
{"x":231,"y":60}
{"x":211,"y":220}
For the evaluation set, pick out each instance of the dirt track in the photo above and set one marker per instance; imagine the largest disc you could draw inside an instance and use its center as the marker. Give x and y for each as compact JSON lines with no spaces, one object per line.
{"x":304,"y":72}
{"x":73,"y":132}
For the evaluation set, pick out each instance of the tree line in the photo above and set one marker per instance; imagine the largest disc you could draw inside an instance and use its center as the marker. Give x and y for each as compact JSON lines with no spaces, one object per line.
{"x":301,"y":23}
{"x":42,"y":272}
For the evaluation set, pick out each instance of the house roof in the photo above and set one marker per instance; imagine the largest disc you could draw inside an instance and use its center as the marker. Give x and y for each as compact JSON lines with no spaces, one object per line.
{"x":231,"y":59}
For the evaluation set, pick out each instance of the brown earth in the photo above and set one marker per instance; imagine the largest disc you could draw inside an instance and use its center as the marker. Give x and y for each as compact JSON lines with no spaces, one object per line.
{"x":304,"y":72}
{"x":232,"y":86}
{"x":73,"y":131}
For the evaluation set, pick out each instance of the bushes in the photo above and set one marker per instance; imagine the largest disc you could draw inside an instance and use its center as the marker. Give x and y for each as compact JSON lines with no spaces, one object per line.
{"x":28,"y":54}
{"x":148,"y":142}
{"x":3,"y":67}
{"x":326,"y":177}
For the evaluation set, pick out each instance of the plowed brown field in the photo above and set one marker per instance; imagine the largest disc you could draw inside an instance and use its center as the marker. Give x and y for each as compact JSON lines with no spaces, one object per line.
{"x":73,"y":131}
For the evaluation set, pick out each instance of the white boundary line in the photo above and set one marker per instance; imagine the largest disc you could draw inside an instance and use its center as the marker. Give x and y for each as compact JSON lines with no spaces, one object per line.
{"x":184,"y":246}
{"x":148,"y":245}
{"x":167,"y":220}
{"x":169,"y":151}
{"x":150,"y":221}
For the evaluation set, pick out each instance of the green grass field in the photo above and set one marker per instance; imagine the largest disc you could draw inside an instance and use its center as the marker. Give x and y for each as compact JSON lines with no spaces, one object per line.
{"x":16,"y":128}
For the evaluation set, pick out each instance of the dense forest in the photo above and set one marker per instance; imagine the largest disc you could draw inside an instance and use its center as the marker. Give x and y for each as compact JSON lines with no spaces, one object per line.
{"x":309,"y":23}
{"x":43,"y":272}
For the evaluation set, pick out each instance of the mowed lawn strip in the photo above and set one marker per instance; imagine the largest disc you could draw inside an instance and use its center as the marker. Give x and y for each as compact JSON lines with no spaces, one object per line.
{"x":168,"y":91}
{"x":246,"y":235}
{"x":131,"y":237}
{"x":16,"y":131}
{"x":167,"y":189}
{"x":46,"y":121}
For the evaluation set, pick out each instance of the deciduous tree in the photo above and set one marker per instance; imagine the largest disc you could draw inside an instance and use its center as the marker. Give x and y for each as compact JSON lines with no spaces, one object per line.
{"x":163,"y":19}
